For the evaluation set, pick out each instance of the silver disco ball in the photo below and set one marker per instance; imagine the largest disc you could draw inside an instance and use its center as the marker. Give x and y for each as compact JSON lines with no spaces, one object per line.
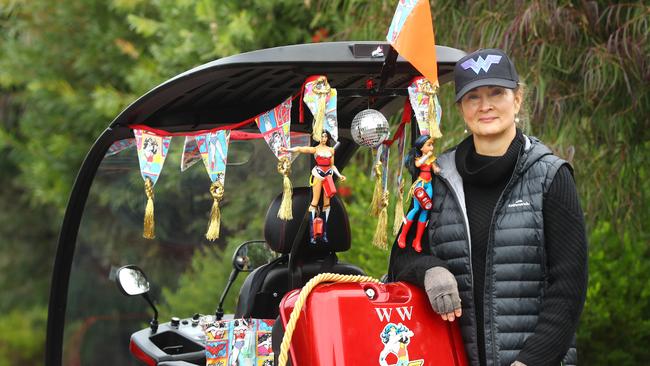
{"x":369,"y":128}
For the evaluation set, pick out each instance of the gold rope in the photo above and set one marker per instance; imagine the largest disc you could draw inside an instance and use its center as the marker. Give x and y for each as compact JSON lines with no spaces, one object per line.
{"x":149,"y":224}
{"x":380,"y":239}
{"x":285,"y":212}
{"x":302,"y":298}
{"x":322,"y":90}
{"x":214,"y":227}
{"x":377,"y":194}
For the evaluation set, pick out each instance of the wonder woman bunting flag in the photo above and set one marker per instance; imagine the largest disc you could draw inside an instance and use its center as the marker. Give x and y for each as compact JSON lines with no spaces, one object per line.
{"x":152,"y":151}
{"x":213,"y":147}
{"x":320,"y":98}
{"x":275,"y":125}
{"x":426,"y":107}
{"x":191,"y":153}
{"x":119,"y":146}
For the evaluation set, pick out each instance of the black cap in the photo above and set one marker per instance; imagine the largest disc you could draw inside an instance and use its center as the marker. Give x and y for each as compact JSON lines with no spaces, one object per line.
{"x":484,"y":67}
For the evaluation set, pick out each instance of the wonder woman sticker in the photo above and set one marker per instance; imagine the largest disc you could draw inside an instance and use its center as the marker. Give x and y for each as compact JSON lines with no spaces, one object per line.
{"x":396,"y":339}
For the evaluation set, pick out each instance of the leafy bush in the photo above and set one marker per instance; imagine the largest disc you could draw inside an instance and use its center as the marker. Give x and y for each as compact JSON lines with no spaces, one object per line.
{"x":22,"y":336}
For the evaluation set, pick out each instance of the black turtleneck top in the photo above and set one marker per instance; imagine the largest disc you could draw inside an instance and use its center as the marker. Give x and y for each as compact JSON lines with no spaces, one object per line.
{"x":484,"y":179}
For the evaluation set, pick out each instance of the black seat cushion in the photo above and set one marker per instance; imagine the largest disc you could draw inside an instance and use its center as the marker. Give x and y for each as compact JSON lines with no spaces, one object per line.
{"x":264,"y":288}
{"x":264,"y":302}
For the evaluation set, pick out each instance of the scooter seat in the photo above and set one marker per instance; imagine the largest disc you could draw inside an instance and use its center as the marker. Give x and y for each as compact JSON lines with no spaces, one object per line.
{"x":260,"y":295}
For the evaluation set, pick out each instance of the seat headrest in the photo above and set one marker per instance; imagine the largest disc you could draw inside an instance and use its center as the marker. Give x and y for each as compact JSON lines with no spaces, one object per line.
{"x":280,"y":234}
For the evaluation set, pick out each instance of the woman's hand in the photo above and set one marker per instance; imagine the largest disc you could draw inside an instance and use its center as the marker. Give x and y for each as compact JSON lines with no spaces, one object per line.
{"x":517,"y":363}
{"x":342,"y":178}
{"x":442,"y":290}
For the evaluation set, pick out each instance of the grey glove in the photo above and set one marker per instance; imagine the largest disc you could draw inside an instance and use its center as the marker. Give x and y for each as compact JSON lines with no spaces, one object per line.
{"x":442,"y":290}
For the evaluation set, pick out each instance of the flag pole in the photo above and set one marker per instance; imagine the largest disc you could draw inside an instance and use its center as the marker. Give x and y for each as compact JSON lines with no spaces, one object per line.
{"x":388,"y":68}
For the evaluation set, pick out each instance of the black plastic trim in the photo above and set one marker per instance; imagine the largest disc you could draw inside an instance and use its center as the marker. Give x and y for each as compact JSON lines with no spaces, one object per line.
{"x":67,"y":243}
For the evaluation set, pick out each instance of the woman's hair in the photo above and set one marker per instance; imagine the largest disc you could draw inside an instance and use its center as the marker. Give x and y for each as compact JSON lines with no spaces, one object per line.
{"x":385,"y":334}
{"x":149,"y":142}
{"x":523,"y":115}
{"x":330,"y":142}
{"x":414,"y":153}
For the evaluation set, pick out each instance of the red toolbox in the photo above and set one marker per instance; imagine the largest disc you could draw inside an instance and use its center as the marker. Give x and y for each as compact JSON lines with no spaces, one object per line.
{"x":350,"y":324}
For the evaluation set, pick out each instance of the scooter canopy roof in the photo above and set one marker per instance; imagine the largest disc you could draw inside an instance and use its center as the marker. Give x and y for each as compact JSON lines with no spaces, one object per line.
{"x":236,"y":88}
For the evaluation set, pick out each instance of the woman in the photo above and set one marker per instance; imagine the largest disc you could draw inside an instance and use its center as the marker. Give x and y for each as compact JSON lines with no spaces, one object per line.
{"x":420,"y":162}
{"x":506,"y":234}
{"x":324,"y":155}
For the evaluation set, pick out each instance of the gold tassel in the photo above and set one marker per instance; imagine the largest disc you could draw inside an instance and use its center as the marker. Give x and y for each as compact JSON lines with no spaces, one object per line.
{"x":380,"y":240}
{"x":286,"y":210}
{"x":434,"y":129}
{"x":322,"y":90}
{"x":409,"y":196}
{"x":377,"y":194}
{"x":431,"y":91}
{"x":214,"y":227}
{"x":149,"y":223}
{"x":399,"y":209}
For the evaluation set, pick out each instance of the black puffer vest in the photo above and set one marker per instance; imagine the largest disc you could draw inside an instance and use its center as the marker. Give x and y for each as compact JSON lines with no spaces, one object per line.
{"x":515,"y":277}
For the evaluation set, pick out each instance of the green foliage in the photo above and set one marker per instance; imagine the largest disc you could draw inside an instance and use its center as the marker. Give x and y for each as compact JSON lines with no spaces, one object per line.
{"x":362,"y":225}
{"x":22,"y":336}
{"x":618,"y":301}
{"x":203,"y":282}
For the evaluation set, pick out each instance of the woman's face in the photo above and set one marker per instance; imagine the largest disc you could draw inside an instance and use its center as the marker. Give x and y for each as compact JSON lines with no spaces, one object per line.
{"x":323,"y":139}
{"x":427,"y":147}
{"x":489,"y":111}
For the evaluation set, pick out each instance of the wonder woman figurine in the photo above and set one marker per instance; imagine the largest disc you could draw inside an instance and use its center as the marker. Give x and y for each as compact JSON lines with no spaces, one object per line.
{"x":420,"y":161}
{"x":324,"y":155}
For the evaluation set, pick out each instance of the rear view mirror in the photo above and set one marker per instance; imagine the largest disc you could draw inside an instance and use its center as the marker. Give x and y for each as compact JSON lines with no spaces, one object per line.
{"x":252,"y":254}
{"x":132,"y":281}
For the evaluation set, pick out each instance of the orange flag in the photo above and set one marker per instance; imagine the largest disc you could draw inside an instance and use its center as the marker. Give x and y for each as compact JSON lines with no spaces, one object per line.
{"x":411,"y":34}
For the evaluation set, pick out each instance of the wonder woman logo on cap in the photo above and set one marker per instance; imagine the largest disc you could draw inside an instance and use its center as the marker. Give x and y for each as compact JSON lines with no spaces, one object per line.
{"x":481,"y":63}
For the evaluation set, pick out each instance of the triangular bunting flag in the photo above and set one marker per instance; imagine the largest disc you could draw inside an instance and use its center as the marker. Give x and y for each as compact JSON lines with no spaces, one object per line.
{"x":152,"y":151}
{"x":213,"y":147}
{"x":275,"y":126}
